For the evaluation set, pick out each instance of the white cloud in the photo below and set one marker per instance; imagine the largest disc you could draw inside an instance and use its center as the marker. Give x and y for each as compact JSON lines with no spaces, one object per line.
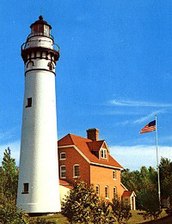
{"x":15,"y":150}
{"x":134,"y":157}
{"x":140,"y":120}
{"x":133,"y":103}
{"x":147,"y":117}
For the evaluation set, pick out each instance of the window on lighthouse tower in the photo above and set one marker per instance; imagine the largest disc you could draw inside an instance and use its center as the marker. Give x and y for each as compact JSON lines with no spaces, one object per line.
{"x":29,"y":102}
{"x":25,"y":188}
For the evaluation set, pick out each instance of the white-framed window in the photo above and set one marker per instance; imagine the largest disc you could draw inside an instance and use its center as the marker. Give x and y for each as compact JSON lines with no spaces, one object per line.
{"x":76,"y":171}
{"x":114,"y":192}
{"x":106,"y":191}
{"x":62,"y":156}
{"x":98,"y":189}
{"x":114,"y":174}
{"x":62,"y":171}
{"x":103,"y":153}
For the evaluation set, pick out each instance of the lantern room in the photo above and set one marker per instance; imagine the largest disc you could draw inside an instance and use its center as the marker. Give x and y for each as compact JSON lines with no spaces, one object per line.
{"x":40,"y":28}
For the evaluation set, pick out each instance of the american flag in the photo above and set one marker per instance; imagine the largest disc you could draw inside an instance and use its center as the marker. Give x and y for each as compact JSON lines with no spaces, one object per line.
{"x":151,"y":126}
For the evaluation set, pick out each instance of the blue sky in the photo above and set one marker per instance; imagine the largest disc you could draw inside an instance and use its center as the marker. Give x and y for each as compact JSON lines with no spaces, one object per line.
{"x":114,"y":73}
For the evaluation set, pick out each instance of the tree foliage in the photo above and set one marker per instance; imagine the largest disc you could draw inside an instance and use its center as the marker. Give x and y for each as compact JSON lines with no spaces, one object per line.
{"x":8,"y":191}
{"x":120,"y":211}
{"x":150,"y":203}
{"x":9,"y":176}
{"x":144,"y":183}
{"x":166,"y":177}
{"x":84,"y":206}
{"x":9,"y":214}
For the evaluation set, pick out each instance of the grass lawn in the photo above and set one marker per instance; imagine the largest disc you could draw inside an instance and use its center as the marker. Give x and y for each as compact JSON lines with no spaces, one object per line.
{"x":57,"y":218}
{"x":135,"y":219}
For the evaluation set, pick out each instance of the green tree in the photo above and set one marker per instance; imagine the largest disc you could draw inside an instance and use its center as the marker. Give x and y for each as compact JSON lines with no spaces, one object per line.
{"x":166,"y":178}
{"x":136,"y":181}
{"x":120,"y":211}
{"x":84,"y":206}
{"x":8,"y":191}
{"x":150,"y":203}
{"x":9,"y":214}
{"x":103,"y":213}
{"x":9,"y":176}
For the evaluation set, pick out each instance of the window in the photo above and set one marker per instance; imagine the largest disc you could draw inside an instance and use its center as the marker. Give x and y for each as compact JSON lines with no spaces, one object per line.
{"x":63,"y":171}
{"x":114,"y":192}
{"x":106,"y":192}
{"x":29,"y":102}
{"x":103,"y":153}
{"x":114,"y":174}
{"x":30,"y":64}
{"x":76,"y":172}
{"x":25,"y":188}
{"x":97,"y":189}
{"x":62,"y":156}
{"x":51,"y":66}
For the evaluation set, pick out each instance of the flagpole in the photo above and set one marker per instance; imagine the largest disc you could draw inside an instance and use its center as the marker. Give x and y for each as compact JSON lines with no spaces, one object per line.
{"x":157,"y":160}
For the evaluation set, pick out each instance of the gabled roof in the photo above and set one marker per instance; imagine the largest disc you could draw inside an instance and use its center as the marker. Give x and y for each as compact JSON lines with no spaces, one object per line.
{"x":96,"y":145}
{"x":85,"y":146}
{"x":128,"y":193}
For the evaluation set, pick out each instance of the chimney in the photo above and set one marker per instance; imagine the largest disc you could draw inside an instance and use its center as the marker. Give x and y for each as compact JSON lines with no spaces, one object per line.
{"x":93,"y":134}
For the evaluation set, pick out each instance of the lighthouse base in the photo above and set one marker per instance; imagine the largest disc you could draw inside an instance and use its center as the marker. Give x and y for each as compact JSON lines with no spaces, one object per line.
{"x":39,"y":209}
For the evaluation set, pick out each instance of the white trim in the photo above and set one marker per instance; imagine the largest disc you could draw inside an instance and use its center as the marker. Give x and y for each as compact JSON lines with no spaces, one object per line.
{"x":76,"y":165}
{"x":61,"y":154}
{"x":104,"y":152}
{"x":65,"y":146}
{"x":116,"y":193}
{"x":61,"y":172}
{"x":92,"y":163}
{"x":97,"y":186}
{"x":107,"y":166}
{"x":114,"y":173}
{"x":124,"y":186}
{"x":107,"y":187}
{"x":73,"y":146}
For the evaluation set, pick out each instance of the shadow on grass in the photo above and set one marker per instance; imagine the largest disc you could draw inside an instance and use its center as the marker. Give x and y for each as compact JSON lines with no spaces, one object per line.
{"x":164,"y":220}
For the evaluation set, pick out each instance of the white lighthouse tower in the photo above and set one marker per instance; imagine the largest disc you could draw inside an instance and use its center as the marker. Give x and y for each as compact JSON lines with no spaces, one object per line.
{"x":38,"y":186}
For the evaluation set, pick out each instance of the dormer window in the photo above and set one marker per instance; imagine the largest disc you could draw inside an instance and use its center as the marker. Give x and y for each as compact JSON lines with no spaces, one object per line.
{"x":103,"y":153}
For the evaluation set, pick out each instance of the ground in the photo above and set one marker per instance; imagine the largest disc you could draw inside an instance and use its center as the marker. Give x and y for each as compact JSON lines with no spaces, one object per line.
{"x":136,"y":219}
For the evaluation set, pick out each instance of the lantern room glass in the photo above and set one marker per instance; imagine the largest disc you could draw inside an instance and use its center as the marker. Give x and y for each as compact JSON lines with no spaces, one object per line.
{"x":41,"y":29}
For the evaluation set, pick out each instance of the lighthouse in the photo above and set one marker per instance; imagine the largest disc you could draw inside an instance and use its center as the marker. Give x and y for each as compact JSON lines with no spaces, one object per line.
{"x":38,"y":186}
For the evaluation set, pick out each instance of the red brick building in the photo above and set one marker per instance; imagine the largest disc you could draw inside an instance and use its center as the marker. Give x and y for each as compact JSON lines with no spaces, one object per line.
{"x":88,"y":159}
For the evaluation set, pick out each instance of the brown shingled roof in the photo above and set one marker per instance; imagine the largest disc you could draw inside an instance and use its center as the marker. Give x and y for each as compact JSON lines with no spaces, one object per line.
{"x":95,"y":145}
{"x":85,"y":145}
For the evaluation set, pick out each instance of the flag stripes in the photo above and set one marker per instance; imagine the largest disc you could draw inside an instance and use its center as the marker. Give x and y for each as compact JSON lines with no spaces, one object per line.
{"x":151,"y":126}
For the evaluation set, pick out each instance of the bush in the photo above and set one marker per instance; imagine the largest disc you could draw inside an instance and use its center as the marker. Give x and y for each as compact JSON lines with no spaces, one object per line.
{"x":84,"y":206}
{"x":120,"y":211}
